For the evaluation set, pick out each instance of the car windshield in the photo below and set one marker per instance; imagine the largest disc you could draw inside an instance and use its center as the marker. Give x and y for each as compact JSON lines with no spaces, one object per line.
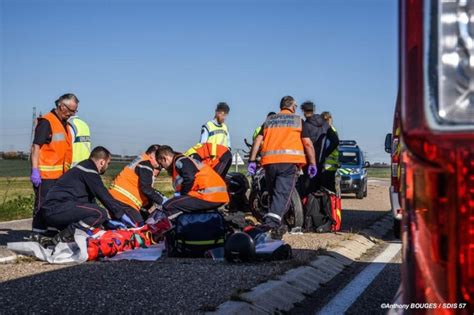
{"x":349,"y":158}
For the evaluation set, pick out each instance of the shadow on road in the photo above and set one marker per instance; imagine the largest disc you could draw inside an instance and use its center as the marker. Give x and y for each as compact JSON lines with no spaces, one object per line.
{"x":9,"y":235}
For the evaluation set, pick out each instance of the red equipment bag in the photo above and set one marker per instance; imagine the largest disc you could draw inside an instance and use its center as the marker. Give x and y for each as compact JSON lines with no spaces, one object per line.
{"x":109,"y":243}
{"x":336,"y":212}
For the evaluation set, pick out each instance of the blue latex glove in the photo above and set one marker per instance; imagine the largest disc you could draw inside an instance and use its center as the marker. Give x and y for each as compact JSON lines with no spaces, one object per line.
{"x":128,"y":222}
{"x":35,"y":177}
{"x":114,"y":225}
{"x":252,"y":168}
{"x":176,"y":194}
{"x":312,"y":170}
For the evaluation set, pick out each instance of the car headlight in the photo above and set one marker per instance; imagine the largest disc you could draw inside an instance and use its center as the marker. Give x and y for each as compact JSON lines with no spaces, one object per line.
{"x":355,"y":171}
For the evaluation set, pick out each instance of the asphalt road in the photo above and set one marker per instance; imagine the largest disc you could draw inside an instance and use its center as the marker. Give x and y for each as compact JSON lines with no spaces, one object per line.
{"x":381,"y":290}
{"x":168,"y":285}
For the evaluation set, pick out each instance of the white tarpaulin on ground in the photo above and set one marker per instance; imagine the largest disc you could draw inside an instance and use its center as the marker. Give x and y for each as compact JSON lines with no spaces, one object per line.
{"x":63,"y":253}
{"x":76,"y":252}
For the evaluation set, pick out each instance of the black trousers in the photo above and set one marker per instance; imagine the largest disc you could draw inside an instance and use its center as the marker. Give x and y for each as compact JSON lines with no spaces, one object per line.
{"x":281,"y":180}
{"x":188,"y":204}
{"x":224,"y":164}
{"x":40,"y":196}
{"x":71,"y":215}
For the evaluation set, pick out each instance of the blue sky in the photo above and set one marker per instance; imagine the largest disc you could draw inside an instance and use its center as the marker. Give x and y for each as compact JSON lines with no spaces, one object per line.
{"x":152,"y":71}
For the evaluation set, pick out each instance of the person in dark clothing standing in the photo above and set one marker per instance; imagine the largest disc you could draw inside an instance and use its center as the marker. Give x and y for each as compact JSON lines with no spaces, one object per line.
{"x":71,"y":202}
{"x":51,"y":152}
{"x":331,"y":163}
{"x":325,"y":140}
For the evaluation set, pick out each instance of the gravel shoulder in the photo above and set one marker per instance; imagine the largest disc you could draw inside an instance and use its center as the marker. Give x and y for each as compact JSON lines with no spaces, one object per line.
{"x":170,"y":284}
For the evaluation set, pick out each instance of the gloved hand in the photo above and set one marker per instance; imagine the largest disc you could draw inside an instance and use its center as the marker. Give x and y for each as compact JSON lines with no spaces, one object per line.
{"x":114,"y":225}
{"x":252,"y":168}
{"x":312,"y":170}
{"x":35,"y":177}
{"x":176,"y":194}
{"x":128,"y":222}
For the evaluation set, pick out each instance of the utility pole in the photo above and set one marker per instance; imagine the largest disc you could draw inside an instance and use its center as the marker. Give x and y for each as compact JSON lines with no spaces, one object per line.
{"x":33,"y":125}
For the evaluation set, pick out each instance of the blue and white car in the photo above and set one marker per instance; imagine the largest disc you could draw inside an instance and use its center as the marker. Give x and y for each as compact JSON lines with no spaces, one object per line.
{"x":352,"y":169}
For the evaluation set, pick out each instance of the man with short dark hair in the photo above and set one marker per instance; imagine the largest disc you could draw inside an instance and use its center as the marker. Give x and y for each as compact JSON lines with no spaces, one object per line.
{"x":285,"y":148}
{"x":198,"y":187}
{"x":51,"y":152}
{"x":71,"y":202}
{"x":133,"y":186}
{"x":216,"y":131}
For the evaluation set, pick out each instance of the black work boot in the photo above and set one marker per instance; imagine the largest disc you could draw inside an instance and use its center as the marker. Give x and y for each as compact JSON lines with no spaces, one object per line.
{"x":65,"y":236}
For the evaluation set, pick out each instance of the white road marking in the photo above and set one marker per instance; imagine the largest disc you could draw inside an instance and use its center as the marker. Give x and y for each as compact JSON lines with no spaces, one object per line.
{"x":345,"y":298}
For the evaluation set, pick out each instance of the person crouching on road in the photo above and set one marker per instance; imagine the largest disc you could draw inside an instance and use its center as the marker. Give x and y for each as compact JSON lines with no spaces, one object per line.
{"x":70,"y":203}
{"x":133,"y":186}
{"x":286,"y":147}
{"x":198,"y":187}
{"x":217,"y":156}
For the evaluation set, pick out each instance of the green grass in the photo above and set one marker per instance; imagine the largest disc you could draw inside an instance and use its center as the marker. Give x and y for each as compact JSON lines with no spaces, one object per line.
{"x":16,"y":191}
{"x":379,"y":172}
{"x":21,"y":168}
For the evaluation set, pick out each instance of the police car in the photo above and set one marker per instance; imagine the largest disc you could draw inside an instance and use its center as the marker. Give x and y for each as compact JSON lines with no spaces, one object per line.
{"x":352,"y":172}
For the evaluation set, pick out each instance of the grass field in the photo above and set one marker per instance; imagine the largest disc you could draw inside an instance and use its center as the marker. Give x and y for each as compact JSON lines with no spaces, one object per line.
{"x":16,"y":191}
{"x":379,"y":172}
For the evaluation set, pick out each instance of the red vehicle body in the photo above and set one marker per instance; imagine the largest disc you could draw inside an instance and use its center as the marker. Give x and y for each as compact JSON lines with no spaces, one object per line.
{"x":437,"y":159}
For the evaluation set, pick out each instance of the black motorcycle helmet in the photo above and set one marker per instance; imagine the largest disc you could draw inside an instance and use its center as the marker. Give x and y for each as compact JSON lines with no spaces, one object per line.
{"x":237,"y":183}
{"x":239,"y":247}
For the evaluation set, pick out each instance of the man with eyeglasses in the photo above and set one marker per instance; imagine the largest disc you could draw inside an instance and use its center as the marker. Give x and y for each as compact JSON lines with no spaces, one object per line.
{"x":51,"y":152}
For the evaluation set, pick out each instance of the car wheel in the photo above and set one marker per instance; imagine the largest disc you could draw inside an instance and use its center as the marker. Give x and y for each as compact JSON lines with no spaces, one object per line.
{"x":360,"y":194}
{"x":365,"y":190}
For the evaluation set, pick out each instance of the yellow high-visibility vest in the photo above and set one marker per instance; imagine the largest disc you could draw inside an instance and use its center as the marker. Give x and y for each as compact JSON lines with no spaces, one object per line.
{"x":217,"y":134}
{"x":81,"y":140}
{"x":332,"y":161}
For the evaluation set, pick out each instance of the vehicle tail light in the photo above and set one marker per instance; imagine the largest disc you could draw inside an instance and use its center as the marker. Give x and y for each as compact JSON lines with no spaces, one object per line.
{"x":466,"y":223}
{"x":451,"y":77}
{"x":395,"y":164}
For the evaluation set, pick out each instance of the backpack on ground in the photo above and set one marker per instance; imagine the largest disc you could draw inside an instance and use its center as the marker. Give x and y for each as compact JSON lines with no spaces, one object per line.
{"x":196,"y":233}
{"x":322,"y":212}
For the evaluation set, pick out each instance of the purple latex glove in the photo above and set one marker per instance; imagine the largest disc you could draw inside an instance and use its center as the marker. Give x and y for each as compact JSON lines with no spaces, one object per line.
{"x":35,"y":177}
{"x":252,"y":168}
{"x":312,"y":170}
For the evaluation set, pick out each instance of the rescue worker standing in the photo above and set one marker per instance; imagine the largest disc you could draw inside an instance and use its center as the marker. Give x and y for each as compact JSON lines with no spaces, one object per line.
{"x":198,"y":187}
{"x":325,"y":141}
{"x":51,"y":154}
{"x":286,"y":147}
{"x":81,"y":140}
{"x":217,"y":156}
{"x":216,"y":131}
{"x":331,"y":163}
{"x":133,"y":186}
{"x":257,"y":130}
{"x":71,"y":203}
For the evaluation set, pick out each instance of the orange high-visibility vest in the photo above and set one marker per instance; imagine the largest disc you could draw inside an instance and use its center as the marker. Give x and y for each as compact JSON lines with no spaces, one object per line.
{"x":126,"y":186}
{"x":282,"y":139}
{"x":55,"y":158}
{"x":210,"y":153}
{"x":208,"y":185}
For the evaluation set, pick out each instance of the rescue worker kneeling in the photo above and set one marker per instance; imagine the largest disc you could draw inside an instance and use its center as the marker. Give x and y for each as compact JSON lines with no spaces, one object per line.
{"x":133,"y":186}
{"x":217,"y":156}
{"x":70,"y":203}
{"x":198,"y":187}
